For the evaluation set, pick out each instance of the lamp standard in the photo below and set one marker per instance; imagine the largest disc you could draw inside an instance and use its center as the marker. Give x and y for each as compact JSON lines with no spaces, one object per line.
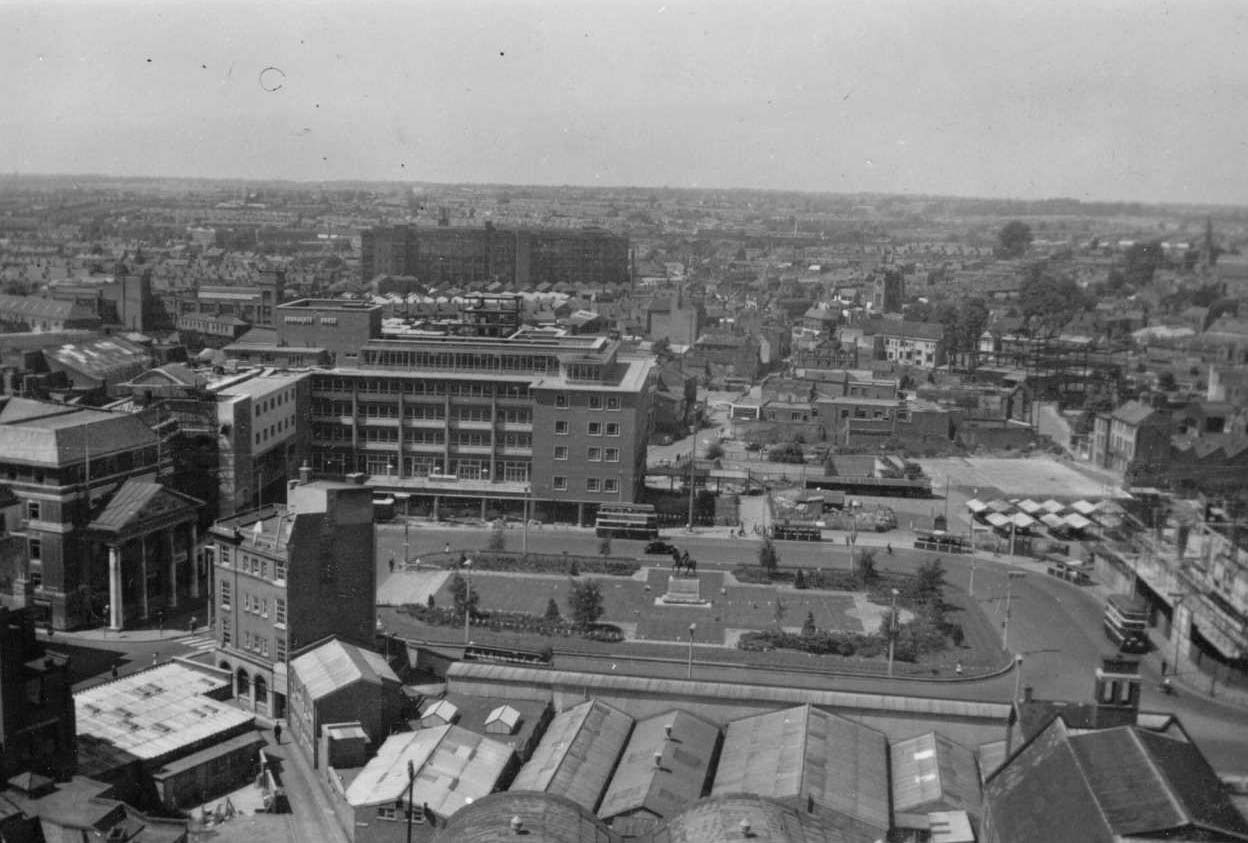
{"x":467,"y":597}
{"x":1010,"y":576}
{"x":411,"y":781}
{"x":1018,"y":675}
{"x":693,"y":627}
{"x":892,"y":632}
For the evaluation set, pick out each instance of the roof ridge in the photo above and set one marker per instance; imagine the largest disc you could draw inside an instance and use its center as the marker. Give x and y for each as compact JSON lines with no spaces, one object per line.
{"x":1159,"y":773}
{"x":805,"y":739}
{"x":1083,"y":774}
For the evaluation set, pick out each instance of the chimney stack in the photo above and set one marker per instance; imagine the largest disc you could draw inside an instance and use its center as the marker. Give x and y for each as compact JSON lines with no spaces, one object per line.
{"x":667,"y":731}
{"x":1028,"y":691}
{"x":658,"y":759}
{"x":517,"y":825}
{"x":305,"y":474}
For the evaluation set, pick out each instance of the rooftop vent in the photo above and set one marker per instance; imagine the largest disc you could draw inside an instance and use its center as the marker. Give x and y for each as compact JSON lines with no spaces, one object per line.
{"x":658,"y":759}
{"x":744,"y":826}
{"x":517,"y":825}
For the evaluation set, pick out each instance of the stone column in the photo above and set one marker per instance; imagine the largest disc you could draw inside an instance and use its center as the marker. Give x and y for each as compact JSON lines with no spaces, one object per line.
{"x":143,"y":573}
{"x":115,"y":615}
{"x":173,"y":569}
{"x":193,"y":555}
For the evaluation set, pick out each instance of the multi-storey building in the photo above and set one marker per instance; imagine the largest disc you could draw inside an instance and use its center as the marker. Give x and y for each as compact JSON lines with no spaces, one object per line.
{"x":287,"y":576}
{"x":523,"y":257}
{"x":68,"y":466}
{"x":478,"y":421}
{"x":262,"y":436}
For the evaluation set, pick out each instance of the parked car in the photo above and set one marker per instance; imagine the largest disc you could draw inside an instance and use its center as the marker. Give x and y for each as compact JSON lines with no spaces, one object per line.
{"x":660,"y":547}
{"x":1135,"y":645}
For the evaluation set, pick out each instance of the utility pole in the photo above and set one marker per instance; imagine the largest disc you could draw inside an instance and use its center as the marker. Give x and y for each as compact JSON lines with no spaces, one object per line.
{"x":692,"y":482}
{"x":1010,"y":576}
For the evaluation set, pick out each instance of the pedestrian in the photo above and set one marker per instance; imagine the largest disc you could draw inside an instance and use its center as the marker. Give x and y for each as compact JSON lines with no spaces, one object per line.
{"x":192,"y":625}
{"x":958,"y":668}
{"x":392,"y":564}
{"x":889,"y":548}
{"x":114,"y":671}
{"x":277,"y":733}
{"x":447,"y":549}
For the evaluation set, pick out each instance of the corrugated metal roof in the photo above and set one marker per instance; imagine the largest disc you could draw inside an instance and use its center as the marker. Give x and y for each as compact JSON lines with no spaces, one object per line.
{"x":588,"y":684}
{"x":931,"y":772}
{"x":543,"y":817}
{"x":111,"y":358}
{"x":453,"y":767}
{"x":721,"y":818}
{"x":156,"y":712}
{"x":803,"y":752}
{"x":335,"y":665}
{"x":664,"y":765}
{"x":577,"y":754}
{"x":41,"y":308}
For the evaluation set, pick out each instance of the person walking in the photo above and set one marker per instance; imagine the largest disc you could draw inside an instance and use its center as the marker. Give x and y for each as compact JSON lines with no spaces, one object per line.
{"x":277,"y":733}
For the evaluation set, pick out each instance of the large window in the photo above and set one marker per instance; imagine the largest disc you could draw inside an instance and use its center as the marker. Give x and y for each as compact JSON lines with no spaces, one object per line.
{"x":561,"y":452}
{"x":613,"y":428}
{"x":36,"y":549}
{"x":613,"y":454}
{"x":595,"y":428}
{"x":279,"y":610}
{"x":561,"y":428}
{"x":34,"y":510}
{"x":561,"y":484}
{"x":591,"y":484}
{"x":225,"y":594}
{"x":595,"y":455}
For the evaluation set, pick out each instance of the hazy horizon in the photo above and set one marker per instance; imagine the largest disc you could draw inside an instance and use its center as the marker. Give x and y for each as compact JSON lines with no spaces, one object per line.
{"x":1103,"y":101}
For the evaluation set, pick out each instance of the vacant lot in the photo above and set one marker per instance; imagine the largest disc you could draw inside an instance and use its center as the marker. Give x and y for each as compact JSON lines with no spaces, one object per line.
{"x":1038,"y":477}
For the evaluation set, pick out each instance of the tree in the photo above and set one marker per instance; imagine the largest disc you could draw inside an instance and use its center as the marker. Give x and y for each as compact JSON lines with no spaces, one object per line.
{"x":789,"y":452}
{"x":972,"y":319}
{"x":866,"y":567}
{"x":1048,"y":301}
{"x":890,"y":625}
{"x":767,"y":556}
{"x":799,"y":579}
{"x":584,"y":603}
{"x":462,"y":598}
{"x":809,"y":628}
{"x":1013,"y":240}
{"x":604,"y":546}
{"x":1142,"y":262}
{"x":715,"y":450}
{"x":552,"y":611}
{"x":497,"y":542}
{"x":929,"y":581}
{"x":1166,"y":381}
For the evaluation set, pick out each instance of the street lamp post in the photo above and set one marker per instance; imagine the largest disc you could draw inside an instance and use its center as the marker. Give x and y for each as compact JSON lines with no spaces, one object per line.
{"x":1018,"y":675}
{"x":1010,"y":576}
{"x":892,"y":632}
{"x":693,"y":627}
{"x":524,"y":541}
{"x":467,"y":598}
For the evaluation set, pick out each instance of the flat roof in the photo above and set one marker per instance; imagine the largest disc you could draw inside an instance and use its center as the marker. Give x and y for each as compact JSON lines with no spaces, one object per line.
{"x":262,"y":384}
{"x":156,"y":712}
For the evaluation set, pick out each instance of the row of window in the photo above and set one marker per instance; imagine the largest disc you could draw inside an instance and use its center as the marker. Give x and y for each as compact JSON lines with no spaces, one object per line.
{"x":595,"y":401}
{"x":257,"y":605}
{"x":609,"y":485}
{"x":420,"y":386}
{"x":281,"y":398}
{"x":461,"y":360}
{"x":594,"y":428}
{"x":469,"y":438}
{"x":592,"y":454}
{"x":435,"y":412}
{"x":280,"y":426}
{"x":250,"y":563}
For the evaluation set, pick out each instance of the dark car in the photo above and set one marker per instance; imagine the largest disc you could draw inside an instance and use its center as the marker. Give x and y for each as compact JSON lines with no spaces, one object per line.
{"x":1135,"y":645}
{"x":660,"y":547}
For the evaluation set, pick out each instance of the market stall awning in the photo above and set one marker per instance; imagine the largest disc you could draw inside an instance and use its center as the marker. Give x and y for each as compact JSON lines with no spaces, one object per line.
{"x":1052,"y":521}
{"x":976,"y":506}
{"x":996,"y":519}
{"x":1029,"y":506}
{"x":1022,"y":520}
{"x":1085,"y":507}
{"x":1077,"y":522}
{"x":1000,"y":506}
{"x":1053,"y":506}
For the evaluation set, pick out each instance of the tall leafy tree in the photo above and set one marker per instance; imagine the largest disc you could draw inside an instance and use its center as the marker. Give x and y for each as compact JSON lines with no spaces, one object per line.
{"x":1048,"y":300}
{"x":1013,"y":240}
{"x":585,"y":602}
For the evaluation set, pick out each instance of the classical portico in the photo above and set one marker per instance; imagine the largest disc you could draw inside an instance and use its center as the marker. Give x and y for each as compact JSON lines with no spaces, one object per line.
{"x":149,"y":533}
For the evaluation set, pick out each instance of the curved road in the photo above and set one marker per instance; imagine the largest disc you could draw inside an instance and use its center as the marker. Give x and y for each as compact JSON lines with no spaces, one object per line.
{"x":1056,"y":626}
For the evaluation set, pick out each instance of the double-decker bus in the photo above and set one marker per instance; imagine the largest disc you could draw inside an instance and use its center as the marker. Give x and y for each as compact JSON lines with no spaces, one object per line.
{"x":1126,"y":619}
{"x":627,"y":521}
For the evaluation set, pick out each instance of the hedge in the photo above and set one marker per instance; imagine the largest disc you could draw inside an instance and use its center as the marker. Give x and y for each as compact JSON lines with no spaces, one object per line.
{"x":546,"y":563}
{"x":513,"y":622}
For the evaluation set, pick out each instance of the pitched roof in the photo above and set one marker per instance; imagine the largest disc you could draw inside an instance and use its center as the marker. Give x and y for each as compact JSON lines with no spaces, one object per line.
{"x":335,"y":665}
{"x":796,"y":752}
{"x":453,"y":768}
{"x":142,"y":499}
{"x":45,"y":434}
{"x":683,"y":744}
{"x":907,"y":328}
{"x":931,"y":772}
{"x":106,"y":358}
{"x":1100,"y":786}
{"x":1133,"y":412}
{"x":41,"y":308}
{"x":577,"y":754}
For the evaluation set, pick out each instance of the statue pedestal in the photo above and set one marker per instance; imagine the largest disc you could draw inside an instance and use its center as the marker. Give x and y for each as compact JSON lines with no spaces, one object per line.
{"x":683,"y":590}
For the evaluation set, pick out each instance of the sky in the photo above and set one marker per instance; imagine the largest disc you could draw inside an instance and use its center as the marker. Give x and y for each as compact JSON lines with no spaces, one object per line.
{"x":1137,"y":100}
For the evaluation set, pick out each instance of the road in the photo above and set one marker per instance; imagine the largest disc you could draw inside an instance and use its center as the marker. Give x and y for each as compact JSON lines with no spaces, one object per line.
{"x":1056,"y":626}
